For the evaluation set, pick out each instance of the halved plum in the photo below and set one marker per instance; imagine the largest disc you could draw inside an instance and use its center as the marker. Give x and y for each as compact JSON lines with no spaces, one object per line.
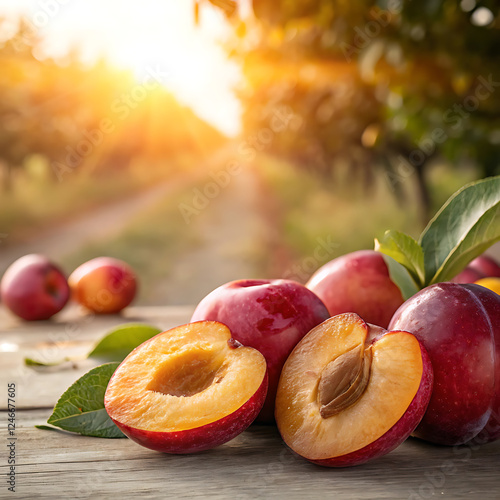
{"x":350,"y":392}
{"x":188,"y":389}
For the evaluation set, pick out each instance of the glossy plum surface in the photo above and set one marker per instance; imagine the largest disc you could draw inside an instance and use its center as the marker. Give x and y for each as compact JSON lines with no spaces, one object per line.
{"x":268,"y":315}
{"x":486,"y":265}
{"x":358,"y":282}
{"x":459,"y":325}
{"x":34,"y":288}
{"x":104,"y":285}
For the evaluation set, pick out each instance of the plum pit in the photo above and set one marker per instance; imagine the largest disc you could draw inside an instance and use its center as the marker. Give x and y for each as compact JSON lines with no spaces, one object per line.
{"x":344,"y":380}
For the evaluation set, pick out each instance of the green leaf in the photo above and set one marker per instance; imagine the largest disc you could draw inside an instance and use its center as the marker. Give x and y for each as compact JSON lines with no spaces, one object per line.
{"x":47,"y":428}
{"x":81,"y":408}
{"x":114,"y":346}
{"x":34,"y":363}
{"x":50,"y":428}
{"x":120,"y":341}
{"x":401,"y":277}
{"x":405,"y":250}
{"x":467,"y":224}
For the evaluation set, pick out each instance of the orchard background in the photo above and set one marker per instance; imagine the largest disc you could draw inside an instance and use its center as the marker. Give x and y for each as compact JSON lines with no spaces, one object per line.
{"x":206,"y":141}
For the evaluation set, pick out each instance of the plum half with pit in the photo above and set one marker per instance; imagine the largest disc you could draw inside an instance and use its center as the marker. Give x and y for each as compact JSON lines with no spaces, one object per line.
{"x":351,"y":392}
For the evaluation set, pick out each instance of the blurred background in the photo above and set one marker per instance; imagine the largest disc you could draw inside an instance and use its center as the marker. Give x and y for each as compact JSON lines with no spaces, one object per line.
{"x":209,"y":140}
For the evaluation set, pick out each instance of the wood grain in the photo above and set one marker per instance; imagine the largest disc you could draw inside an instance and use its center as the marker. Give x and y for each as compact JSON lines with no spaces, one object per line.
{"x":257,"y":464}
{"x":254,"y":465}
{"x":73,"y":334}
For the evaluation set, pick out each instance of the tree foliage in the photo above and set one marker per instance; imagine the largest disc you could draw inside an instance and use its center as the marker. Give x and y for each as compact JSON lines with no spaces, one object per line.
{"x":376,"y":83}
{"x":87,"y":118}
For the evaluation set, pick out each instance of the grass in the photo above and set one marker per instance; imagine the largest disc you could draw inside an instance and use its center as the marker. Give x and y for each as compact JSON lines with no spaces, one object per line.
{"x":151,"y":244}
{"x":36,"y":201}
{"x":307,"y":212}
{"x":315,"y":210}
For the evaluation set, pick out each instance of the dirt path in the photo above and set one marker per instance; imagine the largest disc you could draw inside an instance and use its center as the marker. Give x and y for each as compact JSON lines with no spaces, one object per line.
{"x":103,"y":222}
{"x":100,"y":223}
{"x":234,"y":235}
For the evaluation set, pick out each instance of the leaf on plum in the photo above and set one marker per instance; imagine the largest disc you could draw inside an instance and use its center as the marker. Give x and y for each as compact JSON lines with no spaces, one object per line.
{"x":401,"y":277}
{"x":405,"y":250}
{"x":466,"y":225}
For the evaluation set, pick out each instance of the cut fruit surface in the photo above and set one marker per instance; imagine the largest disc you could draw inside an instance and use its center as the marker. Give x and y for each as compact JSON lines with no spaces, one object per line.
{"x":268,"y":315}
{"x":367,"y":382}
{"x":186,"y":379}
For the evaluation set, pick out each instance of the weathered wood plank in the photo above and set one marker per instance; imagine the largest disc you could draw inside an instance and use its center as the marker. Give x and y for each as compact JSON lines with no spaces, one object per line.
{"x":254,"y":465}
{"x":75,"y":323}
{"x":70,"y":334}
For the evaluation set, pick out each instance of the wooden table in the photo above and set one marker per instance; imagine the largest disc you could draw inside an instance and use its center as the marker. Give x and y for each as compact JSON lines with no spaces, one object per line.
{"x":254,"y":465}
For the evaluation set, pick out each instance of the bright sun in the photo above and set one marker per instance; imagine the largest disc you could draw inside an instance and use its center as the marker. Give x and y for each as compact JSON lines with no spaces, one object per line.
{"x":143,"y":35}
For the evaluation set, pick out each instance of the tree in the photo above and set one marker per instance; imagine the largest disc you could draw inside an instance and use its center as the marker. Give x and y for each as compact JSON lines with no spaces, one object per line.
{"x":88,"y":119}
{"x":386,"y":82}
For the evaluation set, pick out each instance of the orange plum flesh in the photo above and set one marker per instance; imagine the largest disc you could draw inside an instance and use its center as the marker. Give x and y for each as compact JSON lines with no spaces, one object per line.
{"x":392,"y":404}
{"x":189,"y":389}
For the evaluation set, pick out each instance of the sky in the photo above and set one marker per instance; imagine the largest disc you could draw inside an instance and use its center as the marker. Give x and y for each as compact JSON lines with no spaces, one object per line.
{"x":144,"y":35}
